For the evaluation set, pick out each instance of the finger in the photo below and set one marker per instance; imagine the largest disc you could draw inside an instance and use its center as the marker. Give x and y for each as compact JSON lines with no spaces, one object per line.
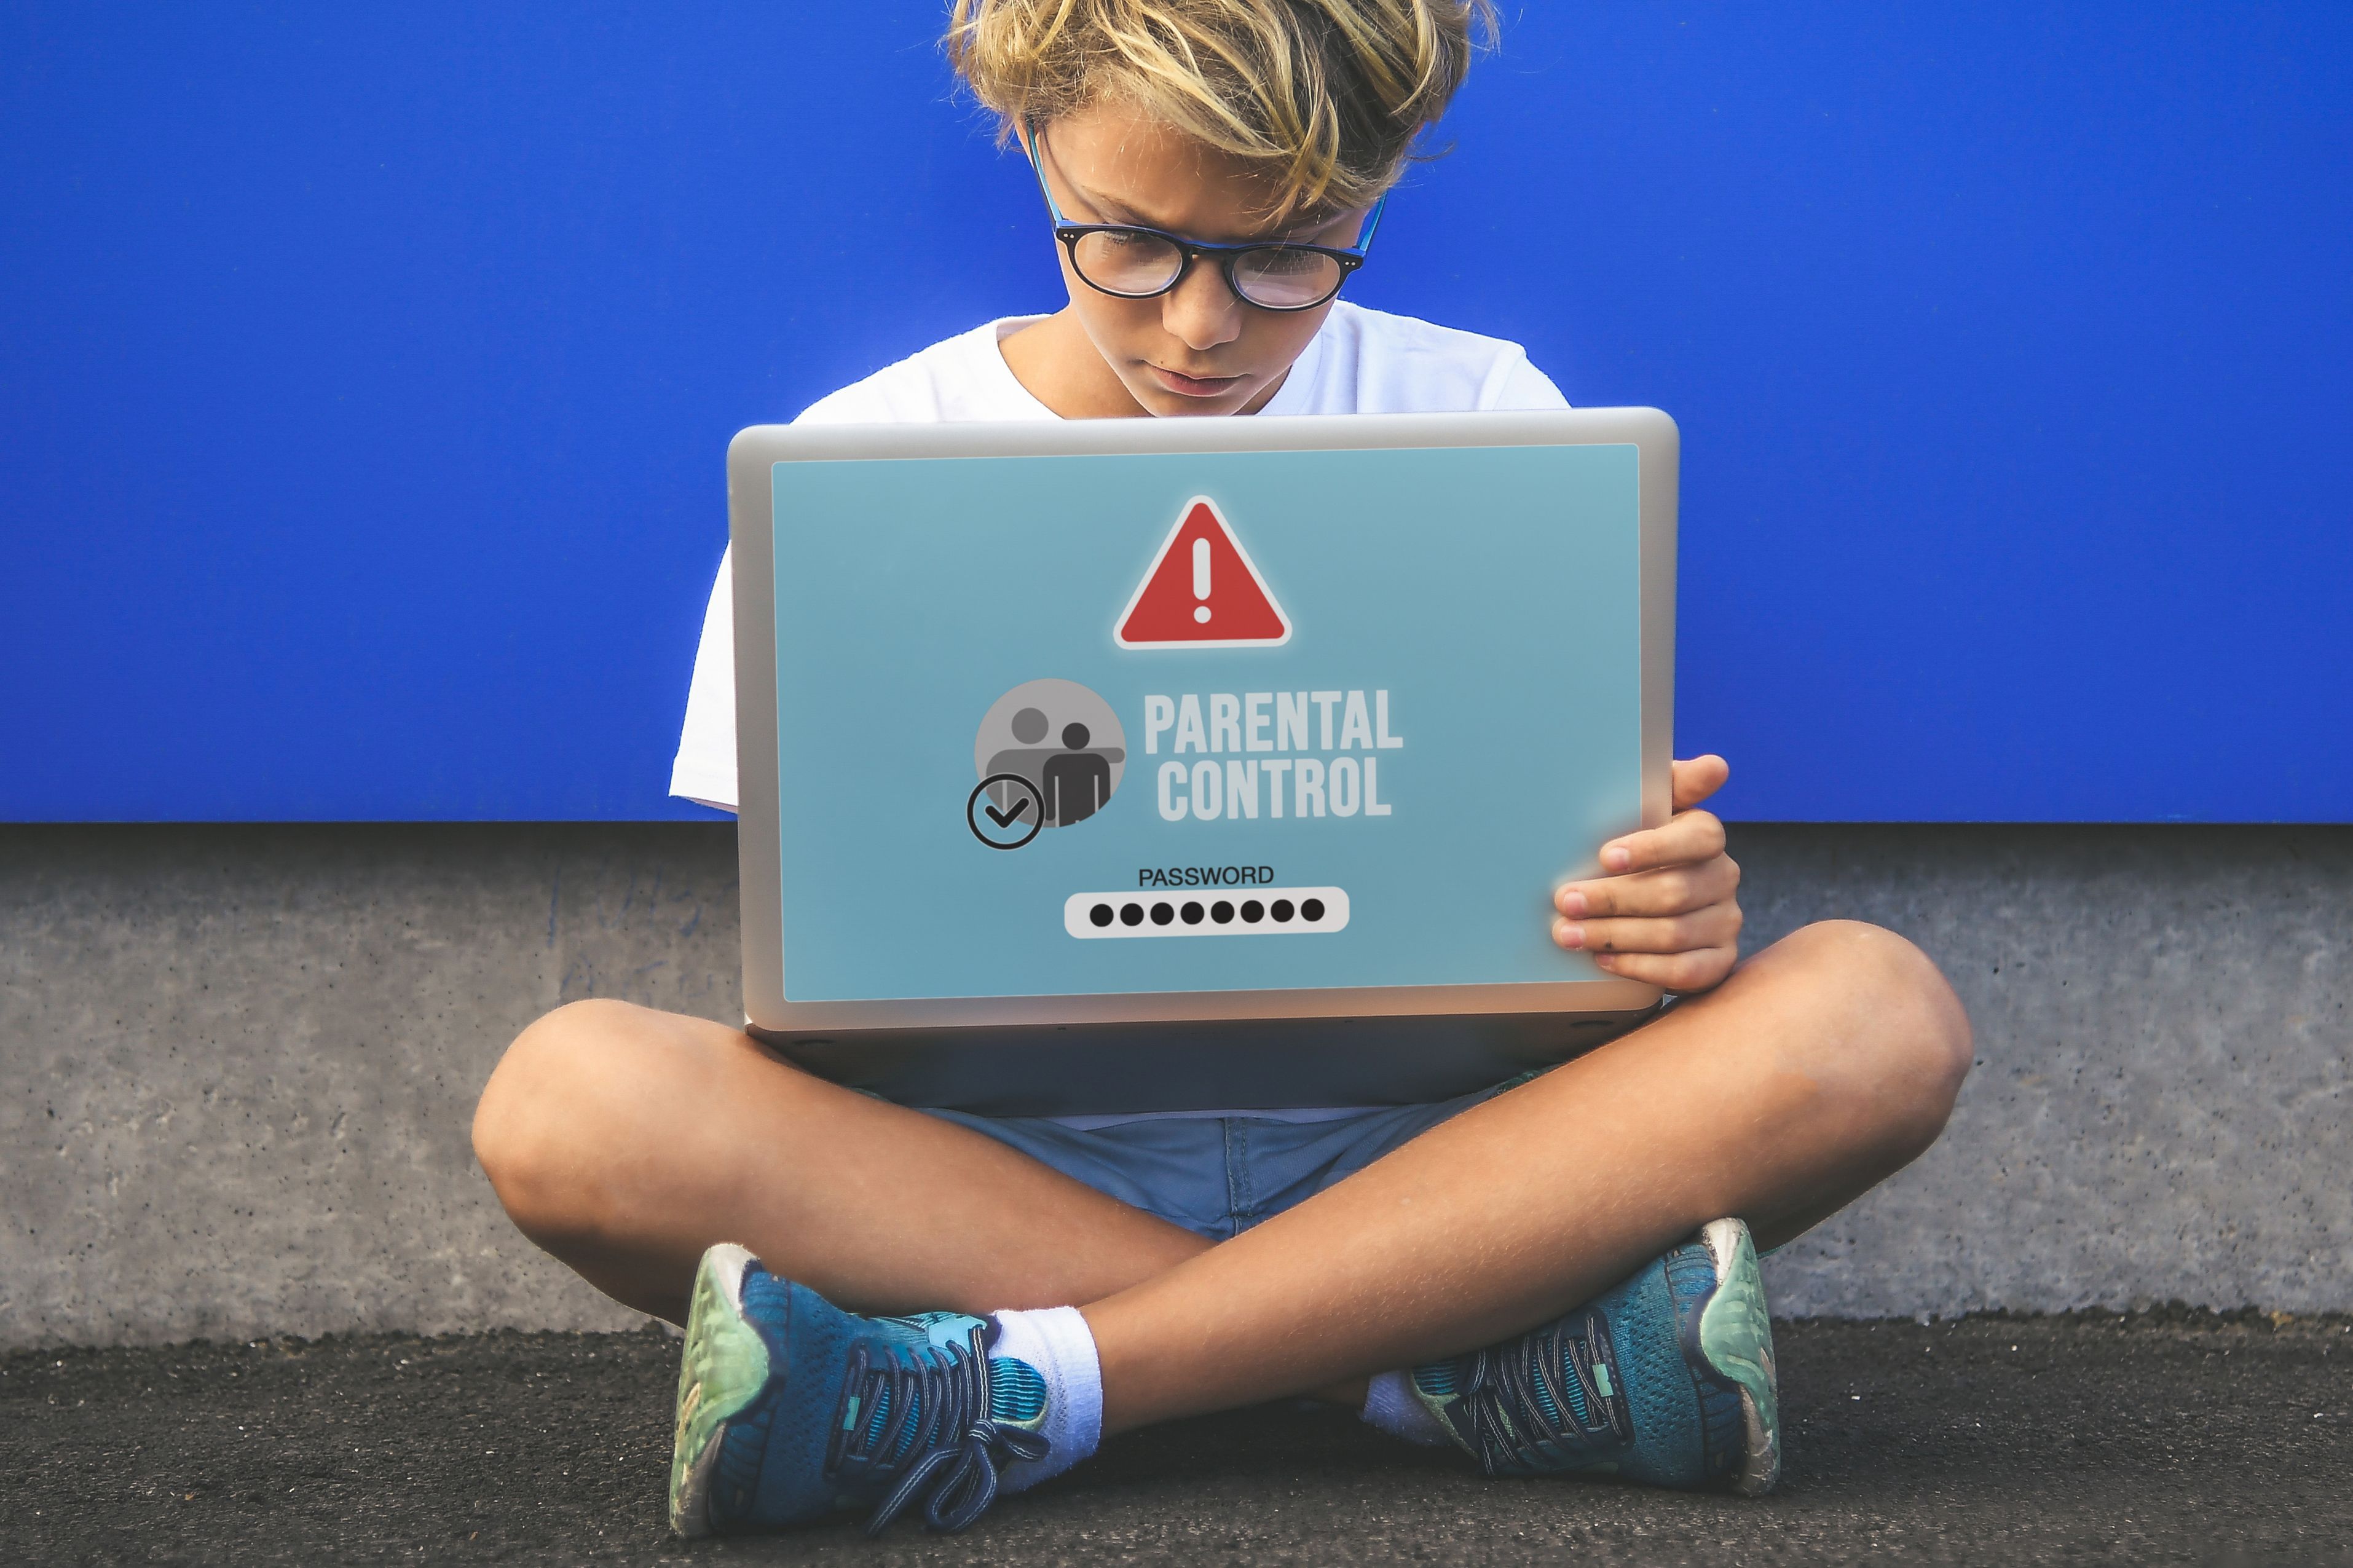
{"x":1685,"y":972}
{"x":1672,"y":891}
{"x":1697,"y":779}
{"x":1718,"y":925}
{"x":1692,"y":836}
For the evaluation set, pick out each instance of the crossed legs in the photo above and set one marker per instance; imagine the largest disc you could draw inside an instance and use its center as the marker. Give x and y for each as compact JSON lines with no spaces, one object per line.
{"x":626,"y":1142}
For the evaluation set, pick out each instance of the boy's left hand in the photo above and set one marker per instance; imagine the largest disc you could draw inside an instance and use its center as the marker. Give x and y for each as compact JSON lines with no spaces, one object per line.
{"x":1666,"y":913}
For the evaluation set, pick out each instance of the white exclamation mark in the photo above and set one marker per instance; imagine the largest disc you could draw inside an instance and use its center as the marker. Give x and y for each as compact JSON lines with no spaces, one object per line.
{"x":1201,"y":580}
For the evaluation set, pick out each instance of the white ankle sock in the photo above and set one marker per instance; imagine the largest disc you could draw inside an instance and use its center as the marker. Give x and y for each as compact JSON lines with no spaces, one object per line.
{"x":1391,"y":1405}
{"x":1057,"y":1343}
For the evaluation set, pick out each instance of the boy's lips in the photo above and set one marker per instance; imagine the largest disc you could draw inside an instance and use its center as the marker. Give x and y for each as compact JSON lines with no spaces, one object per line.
{"x":1194,"y":386}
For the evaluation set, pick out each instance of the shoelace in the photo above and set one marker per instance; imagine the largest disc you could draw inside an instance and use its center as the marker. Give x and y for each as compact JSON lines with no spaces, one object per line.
{"x":1510,"y":1422}
{"x":936,"y":1425}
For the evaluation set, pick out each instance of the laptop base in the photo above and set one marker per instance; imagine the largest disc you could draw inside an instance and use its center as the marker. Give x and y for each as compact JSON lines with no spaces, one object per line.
{"x":1091,"y":1070}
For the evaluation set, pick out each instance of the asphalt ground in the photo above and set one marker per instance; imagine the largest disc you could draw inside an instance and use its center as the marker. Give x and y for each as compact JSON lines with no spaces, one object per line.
{"x":2156,"y":1437}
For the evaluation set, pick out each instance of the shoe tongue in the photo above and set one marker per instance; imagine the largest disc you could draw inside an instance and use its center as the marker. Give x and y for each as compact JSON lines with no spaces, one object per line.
{"x":1016,"y":1394}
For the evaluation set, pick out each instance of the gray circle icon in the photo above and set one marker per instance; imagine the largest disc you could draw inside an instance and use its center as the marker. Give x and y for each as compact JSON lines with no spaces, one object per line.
{"x":1059,"y":738}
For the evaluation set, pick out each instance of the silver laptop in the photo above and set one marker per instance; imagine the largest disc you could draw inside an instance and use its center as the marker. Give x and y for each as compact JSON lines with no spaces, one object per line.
{"x":1148,"y":764}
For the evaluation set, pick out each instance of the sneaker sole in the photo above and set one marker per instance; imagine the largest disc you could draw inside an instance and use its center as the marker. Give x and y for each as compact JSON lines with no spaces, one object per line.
{"x":1735,"y":1335}
{"x":723,"y":1368}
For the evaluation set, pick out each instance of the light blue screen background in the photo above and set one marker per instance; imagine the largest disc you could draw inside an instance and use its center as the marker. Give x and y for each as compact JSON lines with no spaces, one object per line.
{"x":1493,"y":592}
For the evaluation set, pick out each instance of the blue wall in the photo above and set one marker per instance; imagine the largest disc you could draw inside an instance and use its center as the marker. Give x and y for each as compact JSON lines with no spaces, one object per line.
{"x":366,"y":371}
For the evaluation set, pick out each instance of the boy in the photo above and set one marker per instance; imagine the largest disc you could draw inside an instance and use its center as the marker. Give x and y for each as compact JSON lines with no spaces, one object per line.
{"x":1537,"y":1275}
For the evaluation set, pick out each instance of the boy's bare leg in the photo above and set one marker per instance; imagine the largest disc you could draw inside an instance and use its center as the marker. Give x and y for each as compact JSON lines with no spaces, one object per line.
{"x":625,"y":1141}
{"x":1823,"y":1064}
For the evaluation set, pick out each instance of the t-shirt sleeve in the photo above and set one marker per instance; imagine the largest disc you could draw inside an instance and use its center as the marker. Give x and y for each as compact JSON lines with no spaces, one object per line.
{"x":705,"y":769}
{"x":1514,"y":385}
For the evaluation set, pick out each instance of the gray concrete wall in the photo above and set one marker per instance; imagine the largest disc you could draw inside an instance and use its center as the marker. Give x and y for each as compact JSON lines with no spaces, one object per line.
{"x":239,"y":1064}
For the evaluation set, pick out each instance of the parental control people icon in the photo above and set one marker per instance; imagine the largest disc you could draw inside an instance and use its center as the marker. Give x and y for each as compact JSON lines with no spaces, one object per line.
{"x":1060,"y":740}
{"x":1078,"y":780}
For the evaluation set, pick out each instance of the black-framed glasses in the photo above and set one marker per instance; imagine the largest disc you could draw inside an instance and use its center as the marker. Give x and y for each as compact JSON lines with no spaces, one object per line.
{"x":1133,"y":262}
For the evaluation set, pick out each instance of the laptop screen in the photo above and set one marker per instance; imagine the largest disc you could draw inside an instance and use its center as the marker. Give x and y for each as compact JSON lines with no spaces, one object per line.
{"x":1212,"y":721}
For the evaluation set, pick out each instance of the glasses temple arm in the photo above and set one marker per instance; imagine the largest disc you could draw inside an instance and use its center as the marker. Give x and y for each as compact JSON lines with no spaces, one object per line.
{"x":1038,"y":169}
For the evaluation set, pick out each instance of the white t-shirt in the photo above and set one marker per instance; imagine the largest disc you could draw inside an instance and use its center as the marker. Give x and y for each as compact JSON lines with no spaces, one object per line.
{"x":1362,"y":362}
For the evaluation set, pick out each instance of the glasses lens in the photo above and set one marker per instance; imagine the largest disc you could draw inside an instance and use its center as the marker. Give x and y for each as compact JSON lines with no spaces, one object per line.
{"x":1285,"y":279}
{"x":1126,"y":261}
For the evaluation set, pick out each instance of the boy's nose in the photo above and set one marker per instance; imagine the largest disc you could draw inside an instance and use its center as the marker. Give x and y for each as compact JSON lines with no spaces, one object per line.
{"x":1201,"y":309}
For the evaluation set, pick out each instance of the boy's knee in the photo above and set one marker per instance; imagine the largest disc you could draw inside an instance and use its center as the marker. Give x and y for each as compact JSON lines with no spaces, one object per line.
{"x":556,"y":1095}
{"x":1906,"y":1035}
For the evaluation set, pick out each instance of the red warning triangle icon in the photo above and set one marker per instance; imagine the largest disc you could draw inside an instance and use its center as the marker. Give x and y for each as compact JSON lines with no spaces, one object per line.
{"x":1202,"y":591}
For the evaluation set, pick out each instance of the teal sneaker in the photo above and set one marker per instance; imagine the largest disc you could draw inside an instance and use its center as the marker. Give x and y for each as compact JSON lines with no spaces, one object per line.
{"x":1667,"y":1378}
{"x":790,"y":1409}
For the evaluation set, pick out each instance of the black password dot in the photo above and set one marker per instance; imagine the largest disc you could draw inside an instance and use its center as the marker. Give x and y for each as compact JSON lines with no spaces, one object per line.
{"x":1192,"y":913}
{"x":1222,"y":912}
{"x":1281,"y":910}
{"x":1252,"y":911}
{"x":1101,"y":915}
{"x":1161,"y":914}
{"x":1311,"y":909}
{"x":1131,"y":914}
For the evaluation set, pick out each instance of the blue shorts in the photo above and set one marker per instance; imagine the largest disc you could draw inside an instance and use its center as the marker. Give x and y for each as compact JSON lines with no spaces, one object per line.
{"x":1219,"y":1176}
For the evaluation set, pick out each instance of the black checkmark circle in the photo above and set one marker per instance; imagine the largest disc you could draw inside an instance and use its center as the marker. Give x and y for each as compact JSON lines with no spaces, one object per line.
{"x":1029,"y":806}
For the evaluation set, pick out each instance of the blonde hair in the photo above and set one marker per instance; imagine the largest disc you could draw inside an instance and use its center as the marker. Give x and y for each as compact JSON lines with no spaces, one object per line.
{"x":1327,"y":95}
